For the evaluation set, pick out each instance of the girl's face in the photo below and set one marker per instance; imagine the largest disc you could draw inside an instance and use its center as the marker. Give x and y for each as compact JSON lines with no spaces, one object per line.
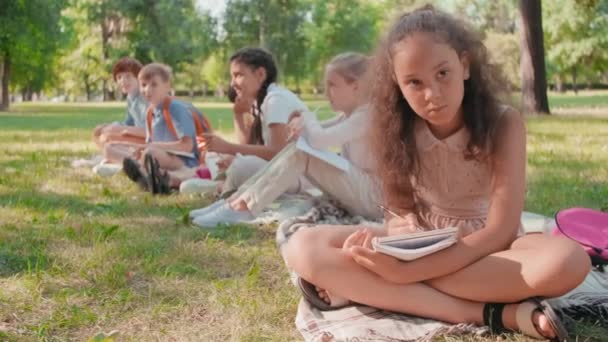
{"x":127,"y":82}
{"x":342,"y":94}
{"x":431,"y":77}
{"x":246,"y":80}
{"x":154,"y":89}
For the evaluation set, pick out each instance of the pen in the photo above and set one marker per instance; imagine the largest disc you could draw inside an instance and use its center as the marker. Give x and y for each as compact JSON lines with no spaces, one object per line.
{"x":396,"y":215}
{"x":291,"y":136}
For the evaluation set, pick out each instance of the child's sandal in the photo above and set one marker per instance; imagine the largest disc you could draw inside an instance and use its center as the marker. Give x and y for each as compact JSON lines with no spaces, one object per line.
{"x":310,"y":293}
{"x":132,"y":170}
{"x":162,"y":179}
{"x":159,"y":182}
{"x":492,"y":317}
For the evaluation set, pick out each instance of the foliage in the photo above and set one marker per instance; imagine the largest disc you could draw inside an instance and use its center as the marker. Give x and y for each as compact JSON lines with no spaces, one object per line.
{"x":576,"y":42}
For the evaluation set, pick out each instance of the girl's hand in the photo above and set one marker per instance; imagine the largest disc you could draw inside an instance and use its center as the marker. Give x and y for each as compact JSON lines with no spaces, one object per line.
{"x":359,"y":245}
{"x":224,"y":163}
{"x":242,"y":105}
{"x":293,"y":115}
{"x":214,"y":143}
{"x":294,"y":127}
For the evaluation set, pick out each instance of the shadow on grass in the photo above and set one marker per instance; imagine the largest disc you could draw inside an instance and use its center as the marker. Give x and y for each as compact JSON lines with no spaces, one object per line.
{"x":44,"y":202}
{"x":22,"y":250}
{"x":62,"y":118}
{"x":559,"y":182}
{"x":53,"y":122}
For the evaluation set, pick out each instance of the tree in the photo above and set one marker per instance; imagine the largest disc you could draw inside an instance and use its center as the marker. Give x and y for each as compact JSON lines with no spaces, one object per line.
{"x":533,"y":74}
{"x":29,"y":39}
{"x":169,"y":31}
{"x":83,"y":68}
{"x":489,"y":15}
{"x":504,"y":51}
{"x":577,"y":43}
{"x":111,"y":26}
{"x":338,"y":26}
{"x":249,"y":23}
{"x":215,"y":72}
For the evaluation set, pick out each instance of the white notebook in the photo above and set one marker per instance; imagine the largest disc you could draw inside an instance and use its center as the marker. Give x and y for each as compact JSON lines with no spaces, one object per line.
{"x":327,"y":156}
{"x":416,"y":245}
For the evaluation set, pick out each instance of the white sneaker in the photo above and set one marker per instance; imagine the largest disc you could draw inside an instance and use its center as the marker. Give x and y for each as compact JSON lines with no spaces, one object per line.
{"x":107,"y":170}
{"x":223,"y":215}
{"x":93,"y":161}
{"x":207,"y":209}
{"x":198,"y":186}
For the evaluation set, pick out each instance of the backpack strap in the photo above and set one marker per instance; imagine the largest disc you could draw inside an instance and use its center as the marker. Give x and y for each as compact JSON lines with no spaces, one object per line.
{"x":149,"y":121}
{"x":167,"y":116}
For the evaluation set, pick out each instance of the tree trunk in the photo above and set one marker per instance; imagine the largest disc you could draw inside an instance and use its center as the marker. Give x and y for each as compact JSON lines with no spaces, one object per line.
{"x":533,"y":74}
{"x":6,"y":75}
{"x":574,"y":84}
{"x":105,"y":37}
{"x":26,"y":94}
{"x":559,"y":83}
{"x":87,"y":88}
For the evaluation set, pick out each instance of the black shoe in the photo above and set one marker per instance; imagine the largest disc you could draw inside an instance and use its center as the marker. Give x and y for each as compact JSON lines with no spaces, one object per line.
{"x":133,"y":171}
{"x":158,"y":179}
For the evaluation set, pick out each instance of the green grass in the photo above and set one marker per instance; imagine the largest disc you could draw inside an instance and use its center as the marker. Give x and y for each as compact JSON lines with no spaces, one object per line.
{"x":583,"y":99}
{"x":82,"y":255}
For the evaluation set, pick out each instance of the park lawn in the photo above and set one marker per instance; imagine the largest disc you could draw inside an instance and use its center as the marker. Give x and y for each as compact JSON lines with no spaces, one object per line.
{"x":81,"y":255}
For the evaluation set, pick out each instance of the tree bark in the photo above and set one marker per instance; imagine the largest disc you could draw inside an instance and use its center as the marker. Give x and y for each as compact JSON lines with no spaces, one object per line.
{"x":559,"y":83}
{"x":574,"y":84}
{"x":533,"y":73}
{"x":87,"y":87}
{"x":6,"y":75}
{"x":105,"y":37}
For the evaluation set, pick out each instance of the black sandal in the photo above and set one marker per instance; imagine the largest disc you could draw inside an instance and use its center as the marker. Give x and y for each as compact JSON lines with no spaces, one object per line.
{"x":492,"y":317}
{"x":133,"y":171}
{"x":159,"y":181}
{"x":309,"y":292}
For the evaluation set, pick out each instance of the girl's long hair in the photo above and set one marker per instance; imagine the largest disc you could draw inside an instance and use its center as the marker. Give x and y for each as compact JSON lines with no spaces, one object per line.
{"x":393,"y":128}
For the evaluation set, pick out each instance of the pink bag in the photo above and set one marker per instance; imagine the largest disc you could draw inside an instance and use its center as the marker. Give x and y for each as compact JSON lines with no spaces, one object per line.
{"x":589,"y":228}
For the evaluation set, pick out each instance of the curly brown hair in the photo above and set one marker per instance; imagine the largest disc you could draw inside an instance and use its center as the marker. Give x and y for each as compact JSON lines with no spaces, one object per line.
{"x":394,"y":118}
{"x":126,"y":64}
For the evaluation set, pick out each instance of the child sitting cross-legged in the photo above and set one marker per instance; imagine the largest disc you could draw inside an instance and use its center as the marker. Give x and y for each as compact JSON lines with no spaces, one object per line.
{"x":171,"y":134}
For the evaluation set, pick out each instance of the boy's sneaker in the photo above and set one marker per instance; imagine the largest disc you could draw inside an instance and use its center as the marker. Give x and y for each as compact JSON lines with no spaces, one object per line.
{"x":198,"y":186}
{"x":207,"y":209}
{"x":91,"y":162}
{"x":133,"y":171}
{"x":106,"y":169}
{"x":224,"y":214}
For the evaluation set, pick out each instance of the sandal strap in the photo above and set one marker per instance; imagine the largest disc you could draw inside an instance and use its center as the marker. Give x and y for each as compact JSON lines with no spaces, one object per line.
{"x":492,"y":317}
{"x":523,"y":318}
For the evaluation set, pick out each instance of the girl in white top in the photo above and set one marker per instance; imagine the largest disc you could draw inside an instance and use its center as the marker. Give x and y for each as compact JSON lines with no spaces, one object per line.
{"x":253,"y":77}
{"x":356,"y":189}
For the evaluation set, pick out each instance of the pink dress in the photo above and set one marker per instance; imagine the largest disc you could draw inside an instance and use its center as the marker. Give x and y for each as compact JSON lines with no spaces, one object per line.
{"x":450,"y":191}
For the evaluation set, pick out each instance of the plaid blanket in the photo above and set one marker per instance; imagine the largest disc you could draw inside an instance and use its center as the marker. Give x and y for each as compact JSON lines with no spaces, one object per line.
{"x":362,"y":323}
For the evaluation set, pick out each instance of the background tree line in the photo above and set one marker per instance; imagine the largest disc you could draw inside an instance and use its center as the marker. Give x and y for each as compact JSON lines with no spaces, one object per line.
{"x":66,"y":47}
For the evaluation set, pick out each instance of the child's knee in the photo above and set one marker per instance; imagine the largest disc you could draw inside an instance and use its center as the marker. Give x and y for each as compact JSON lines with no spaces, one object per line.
{"x":302,"y":254}
{"x":105,"y":138}
{"x":107,"y":149}
{"x":97,"y":131}
{"x":566,"y":265}
{"x":153,"y":152}
{"x":239,"y":171}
